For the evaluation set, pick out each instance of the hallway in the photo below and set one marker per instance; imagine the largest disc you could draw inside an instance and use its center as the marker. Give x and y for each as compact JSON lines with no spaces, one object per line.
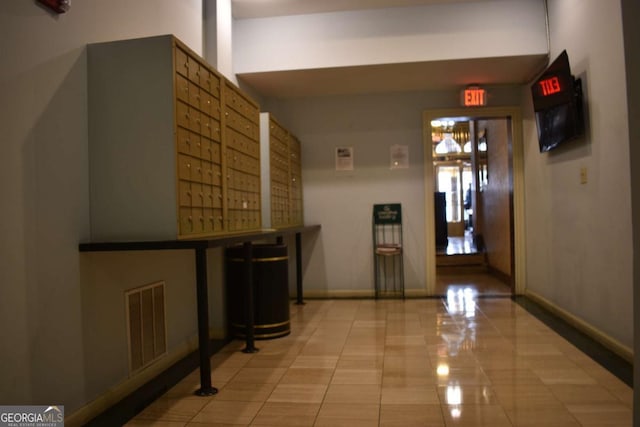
{"x":459,"y":360}
{"x":449,"y":278}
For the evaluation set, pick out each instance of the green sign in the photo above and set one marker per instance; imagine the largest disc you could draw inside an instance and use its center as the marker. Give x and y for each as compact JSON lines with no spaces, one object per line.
{"x":390,"y":213}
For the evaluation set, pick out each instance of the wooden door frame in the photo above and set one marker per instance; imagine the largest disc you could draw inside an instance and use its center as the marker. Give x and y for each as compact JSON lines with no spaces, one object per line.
{"x":518,"y":249}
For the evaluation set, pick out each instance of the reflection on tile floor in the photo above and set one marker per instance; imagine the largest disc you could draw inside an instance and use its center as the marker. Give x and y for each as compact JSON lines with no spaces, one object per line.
{"x":459,"y":245}
{"x":483,"y":284}
{"x":456,"y":361}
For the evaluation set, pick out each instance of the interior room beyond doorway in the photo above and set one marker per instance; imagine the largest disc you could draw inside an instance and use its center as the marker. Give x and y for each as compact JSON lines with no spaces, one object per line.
{"x":472,"y":179}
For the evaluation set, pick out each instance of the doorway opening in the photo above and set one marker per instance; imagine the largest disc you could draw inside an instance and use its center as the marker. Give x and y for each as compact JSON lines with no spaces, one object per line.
{"x":455,"y":155}
{"x":473,"y":174}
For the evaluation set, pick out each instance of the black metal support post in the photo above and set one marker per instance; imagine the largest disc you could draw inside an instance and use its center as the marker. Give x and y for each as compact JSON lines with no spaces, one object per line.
{"x":247,"y":253}
{"x":299,"y":299}
{"x":206,"y":389}
{"x":200,"y":247}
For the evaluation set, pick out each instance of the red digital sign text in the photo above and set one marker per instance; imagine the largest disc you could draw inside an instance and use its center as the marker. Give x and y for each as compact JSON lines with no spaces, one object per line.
{"x":550,"y":86}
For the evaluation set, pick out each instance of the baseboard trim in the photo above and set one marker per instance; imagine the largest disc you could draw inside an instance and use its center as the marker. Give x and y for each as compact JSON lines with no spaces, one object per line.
{"x":328,"y":294}
{"x":597,"y":335}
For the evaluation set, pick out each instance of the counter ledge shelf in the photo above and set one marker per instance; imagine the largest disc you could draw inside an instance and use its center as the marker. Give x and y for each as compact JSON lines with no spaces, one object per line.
{"x":200,"y":246}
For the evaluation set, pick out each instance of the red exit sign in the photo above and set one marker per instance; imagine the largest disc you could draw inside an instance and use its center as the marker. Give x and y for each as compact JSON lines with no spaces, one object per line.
{"x":550,"y":86}
{"x":474,"y":96}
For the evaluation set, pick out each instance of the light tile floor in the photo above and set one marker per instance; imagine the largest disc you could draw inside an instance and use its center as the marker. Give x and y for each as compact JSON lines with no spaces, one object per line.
{"x":456,"y":361}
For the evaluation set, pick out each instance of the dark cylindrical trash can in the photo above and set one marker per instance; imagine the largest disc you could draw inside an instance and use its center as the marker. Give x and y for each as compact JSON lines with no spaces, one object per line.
{"x":270,"y":291}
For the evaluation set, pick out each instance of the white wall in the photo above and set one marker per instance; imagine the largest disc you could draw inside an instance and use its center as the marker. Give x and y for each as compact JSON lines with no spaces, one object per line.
{"x":224,"y":39}
{"x":384,"y":36}
{"x":578,"y":240}
{"x":44,"y":188}
{"x":210,"y":31}
{"x":339,"y":261}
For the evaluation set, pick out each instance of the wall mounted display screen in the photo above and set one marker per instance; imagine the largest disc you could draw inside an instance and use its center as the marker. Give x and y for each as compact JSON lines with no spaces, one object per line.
{"x":557,"y":101}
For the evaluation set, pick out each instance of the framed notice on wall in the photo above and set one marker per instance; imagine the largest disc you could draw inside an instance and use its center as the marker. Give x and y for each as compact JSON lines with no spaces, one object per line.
{"x":344,"y":158}
{"x":399,"y":156}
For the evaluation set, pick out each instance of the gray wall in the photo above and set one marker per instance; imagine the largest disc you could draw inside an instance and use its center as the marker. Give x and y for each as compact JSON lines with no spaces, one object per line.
{"x":578,"y":240}
{"x":45,"y":307}
{"x":631,"y":10}
{"x":340,"y":261}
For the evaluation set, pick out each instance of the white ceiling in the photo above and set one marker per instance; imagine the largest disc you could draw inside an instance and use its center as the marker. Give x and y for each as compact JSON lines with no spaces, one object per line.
{"x":418,"y":76}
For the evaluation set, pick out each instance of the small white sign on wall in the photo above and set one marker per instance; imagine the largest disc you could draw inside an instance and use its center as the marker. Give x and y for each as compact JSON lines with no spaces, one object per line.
{"x":399,"y":156}
{"x":344,"y":158}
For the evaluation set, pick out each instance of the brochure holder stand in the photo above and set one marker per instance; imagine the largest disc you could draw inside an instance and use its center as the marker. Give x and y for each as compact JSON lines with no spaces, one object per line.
{"x":388,"y":250}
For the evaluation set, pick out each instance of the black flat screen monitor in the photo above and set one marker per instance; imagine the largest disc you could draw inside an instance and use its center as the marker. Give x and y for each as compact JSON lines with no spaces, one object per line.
{"x":557,"y":102}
